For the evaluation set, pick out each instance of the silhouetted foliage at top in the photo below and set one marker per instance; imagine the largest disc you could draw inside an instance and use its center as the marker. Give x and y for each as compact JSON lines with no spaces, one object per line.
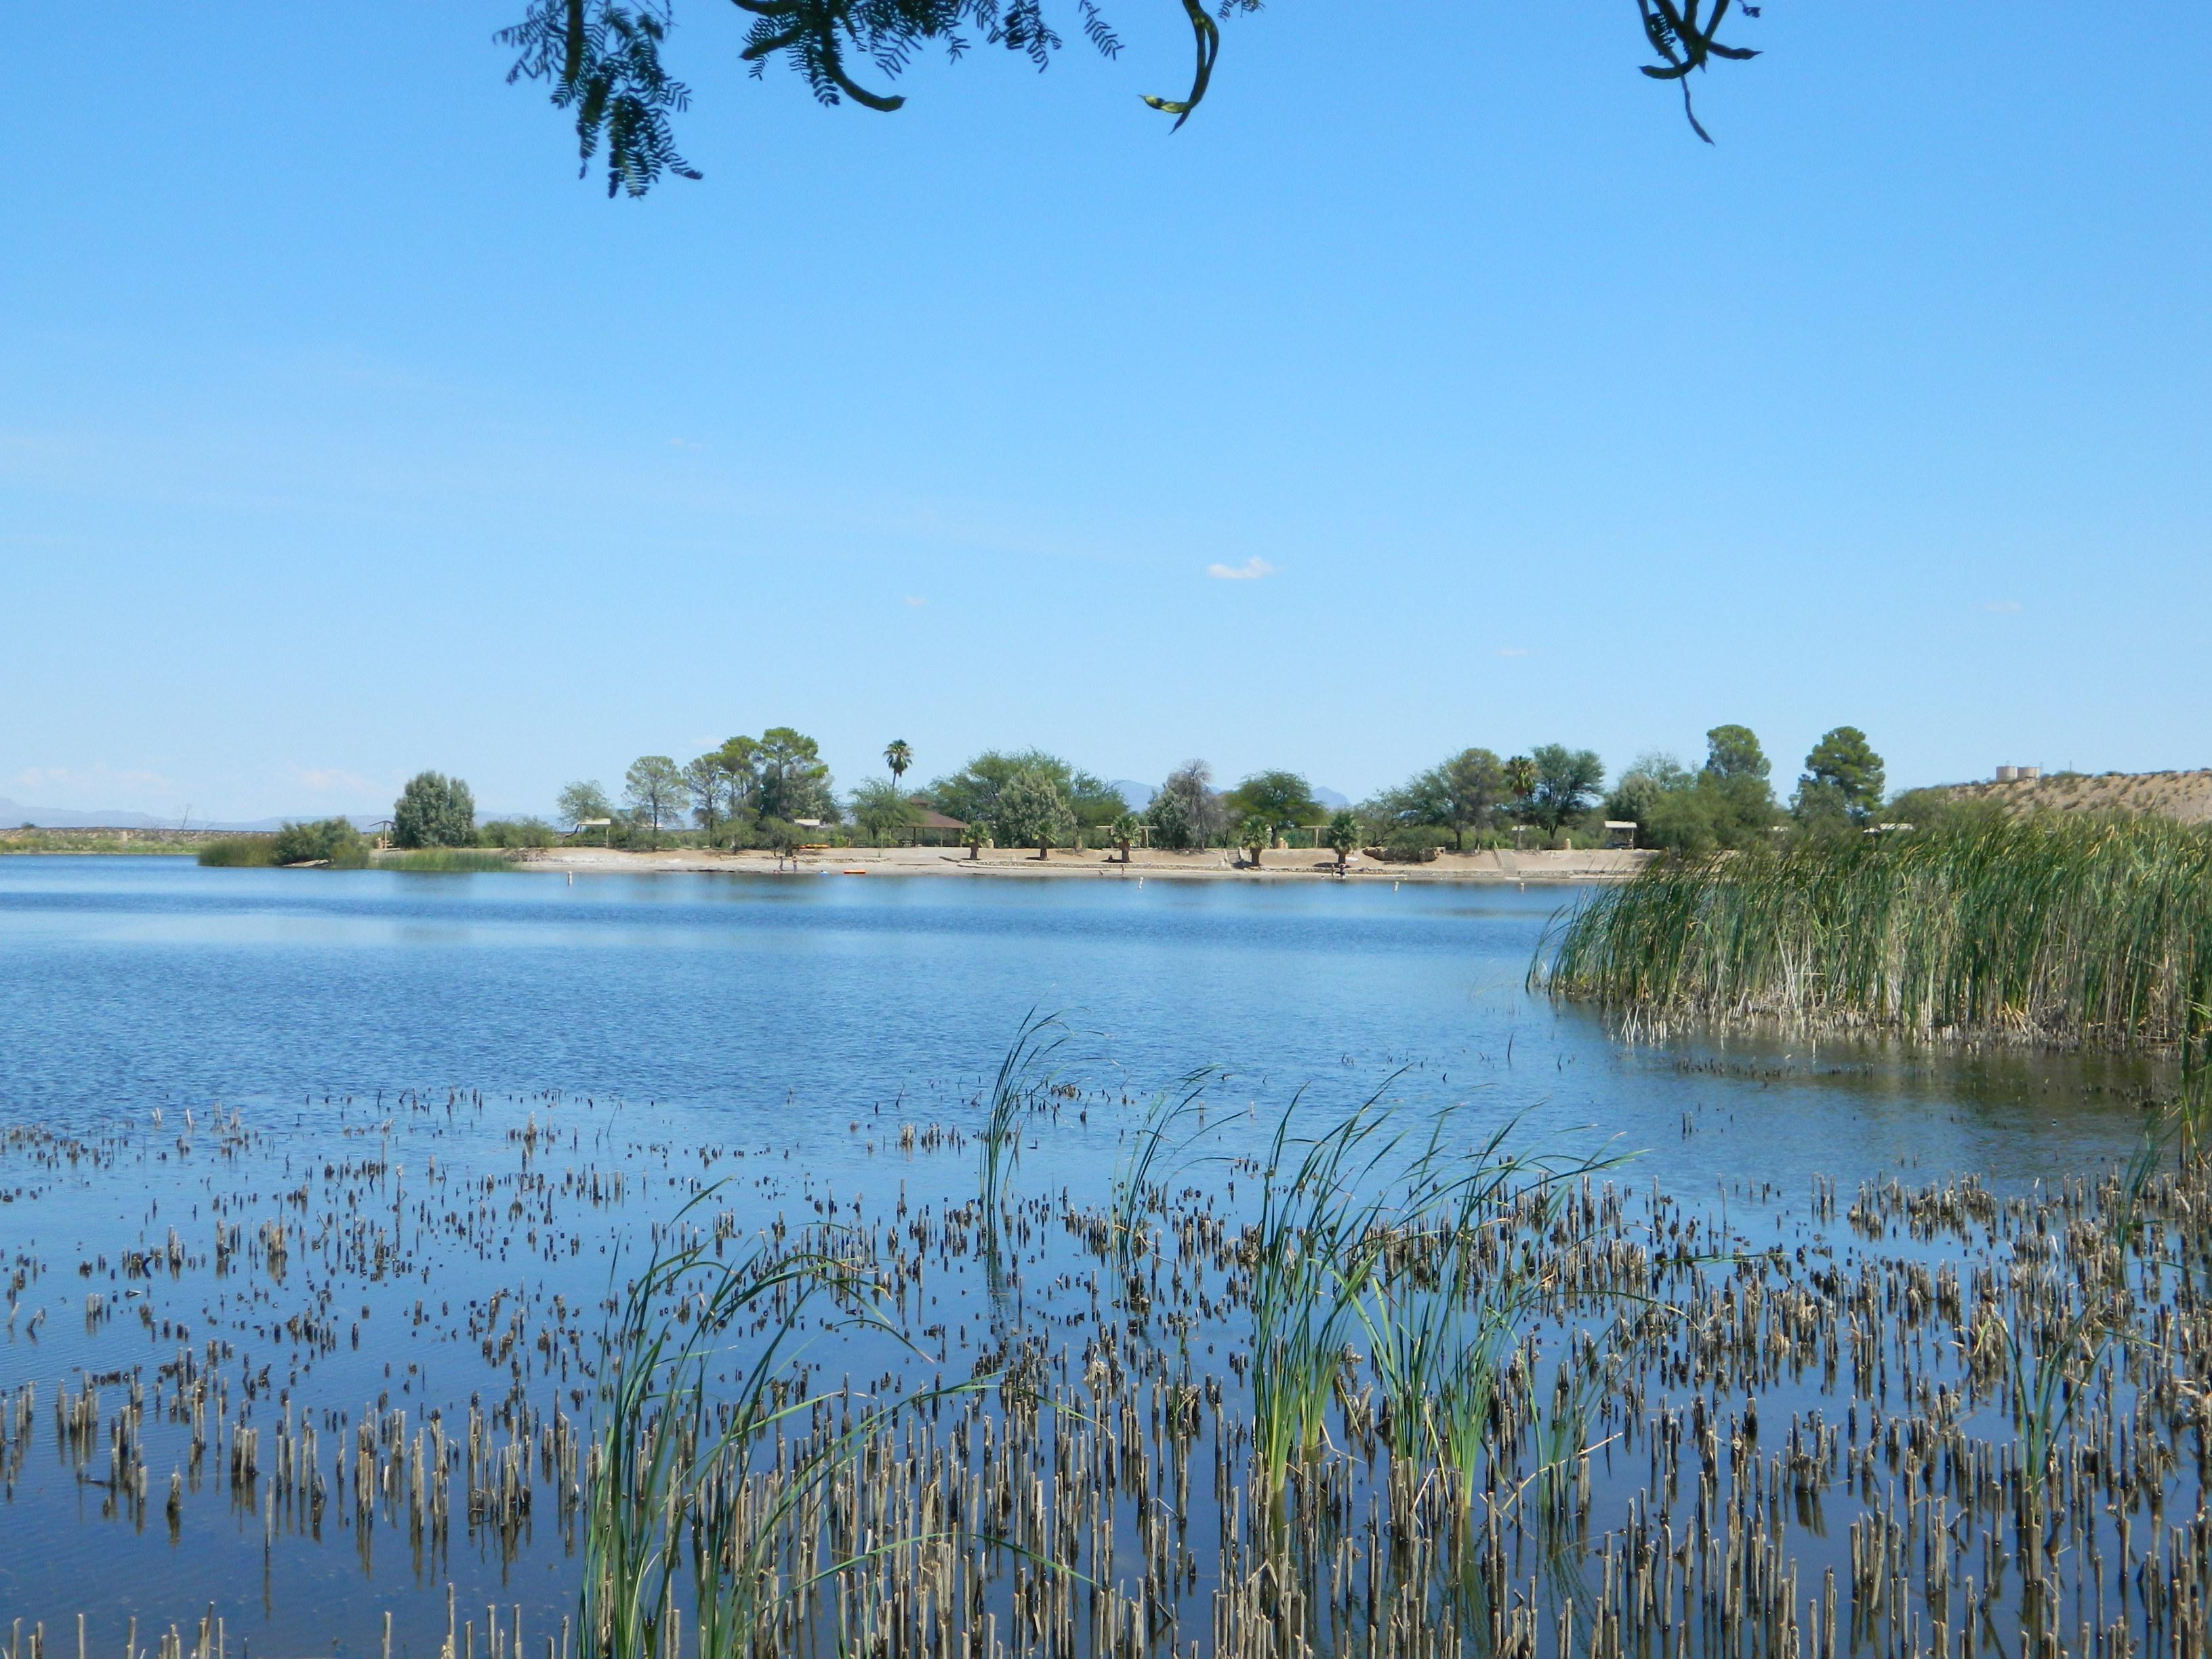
{"x":603,"y":58}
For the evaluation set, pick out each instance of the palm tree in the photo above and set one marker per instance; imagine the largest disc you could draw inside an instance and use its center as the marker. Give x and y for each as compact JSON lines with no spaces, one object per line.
{"x":1343,"y":836}
{"x":898,"y":756}
{"x":1255,"y":837}
{"x":976,"y":837}
{"x":1125,"y":830}
{"x":1521,"y":776}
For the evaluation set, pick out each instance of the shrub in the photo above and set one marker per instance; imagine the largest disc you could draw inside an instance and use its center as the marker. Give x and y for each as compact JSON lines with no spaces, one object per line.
{"x":333,"y":841}
{"x":1409,"y":844}
{"x":517,"y":832}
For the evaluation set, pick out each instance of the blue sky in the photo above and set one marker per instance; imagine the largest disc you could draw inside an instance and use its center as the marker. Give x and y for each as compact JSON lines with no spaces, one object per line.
{"x":344,"y":432}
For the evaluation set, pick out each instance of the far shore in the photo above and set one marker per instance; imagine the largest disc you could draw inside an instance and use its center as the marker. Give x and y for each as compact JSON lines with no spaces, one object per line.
{"x":1213,"y":865}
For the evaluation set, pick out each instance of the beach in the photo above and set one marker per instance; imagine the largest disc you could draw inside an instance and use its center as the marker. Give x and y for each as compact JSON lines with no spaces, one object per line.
{"x":1214,"y":864}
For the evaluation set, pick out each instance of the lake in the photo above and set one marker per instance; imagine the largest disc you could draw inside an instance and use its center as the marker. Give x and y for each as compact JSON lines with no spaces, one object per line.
{"x":310,"y":1156}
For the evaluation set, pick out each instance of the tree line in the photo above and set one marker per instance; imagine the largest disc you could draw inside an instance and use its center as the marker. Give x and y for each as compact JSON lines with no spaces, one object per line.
{"x":776,"y":791}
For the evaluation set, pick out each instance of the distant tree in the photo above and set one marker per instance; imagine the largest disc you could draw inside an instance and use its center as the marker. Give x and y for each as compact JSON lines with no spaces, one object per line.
{"x":1638,"y":792}
{"x":1125,"y":830}
{"x":973,"y":793}
{"x":1520,"y":778}
{"x":794,"y":782}
{"x":880,"y":810}
{"x":1740,"y":801}
{"x":653,"y":789}
{"x":1255,"y":834}
{"x":740,"y":760}
{"x":1733,"y":751}
{"x":708,"y":787}
{"x":433,"y":810}
{"x":898,"y":755}
{"x":1462,"y":793}
{"x":1343,"y":837}
{"x":1170,"y":822}
{"x":1471,"y":786}
{"x":783,"y":836}
{"x":1280,"y":799}
{"x":580,"y":802}
{"x":1843,"y":771}
{"x":976,"y":837}
{"x":1186,"y":812}
{"x":1567,"y":782}
{"x":1030,"y":812}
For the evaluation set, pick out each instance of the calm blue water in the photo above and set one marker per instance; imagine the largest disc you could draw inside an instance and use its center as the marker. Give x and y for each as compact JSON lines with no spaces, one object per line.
{"x":795,"y":1021}
{"x":784,"y":1004}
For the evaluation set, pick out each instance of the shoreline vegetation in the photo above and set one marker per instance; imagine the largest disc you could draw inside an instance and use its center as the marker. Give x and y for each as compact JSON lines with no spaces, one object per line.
{"x":2060,"y":929}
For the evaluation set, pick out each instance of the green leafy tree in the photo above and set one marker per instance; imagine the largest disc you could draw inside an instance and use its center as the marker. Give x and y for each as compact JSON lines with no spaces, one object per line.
{"x":601,"y":58}
{"x":1343,"y":837}
{"x":1281,"y":800}
{"x":709,"y":787}
{"x":1125,"y":830}
{"x":972,"y":794}
{"x":654,"y":791}
{"x":1186,"y":812}
{"x":1733,"y":751}
{"x":1637,"y":794}
{"x":1739,"y":799}
{"x":1471,"y":786}
{"x":1567,"y":782}
{"x":881,"y":811}
{"x":433,"y":810}
{"x":1843,"y":774}
{"x":794,"y":781}
{"x":1030,"y":812}
{"x":784,"y":837}
{"x":976,"y":837}
{"x":1170,"y":822}
{"x":1461,"y":794}
{"x":898,"y":755}
{"x":740,"y":759}
{"x":581,"y":803}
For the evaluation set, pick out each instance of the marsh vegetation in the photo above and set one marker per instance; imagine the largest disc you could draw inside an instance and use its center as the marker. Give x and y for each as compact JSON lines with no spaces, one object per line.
{"x":2090,"y":932}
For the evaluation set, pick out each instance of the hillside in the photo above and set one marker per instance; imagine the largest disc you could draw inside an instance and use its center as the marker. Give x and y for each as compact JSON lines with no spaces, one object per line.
{"x":2185,"y":796}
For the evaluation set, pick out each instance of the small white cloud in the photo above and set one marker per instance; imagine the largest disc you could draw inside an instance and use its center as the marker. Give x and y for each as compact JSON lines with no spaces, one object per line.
{"x":2002,"y":607}
{"x":684,"y":443}
{"x":1512,"y":650}
{"x":915,"y":602}
{"x":1250,"y":571}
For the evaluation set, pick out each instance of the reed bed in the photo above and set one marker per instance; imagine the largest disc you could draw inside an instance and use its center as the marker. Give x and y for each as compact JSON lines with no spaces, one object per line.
{"x":238,"y":852}
{"x":2091,"y":933}
{"x":1412,"y":1391}
{"x":448,"y":861}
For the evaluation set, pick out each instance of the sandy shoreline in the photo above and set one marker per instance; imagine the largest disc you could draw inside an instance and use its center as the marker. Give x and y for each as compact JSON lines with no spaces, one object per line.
{"x":1211,"y":865}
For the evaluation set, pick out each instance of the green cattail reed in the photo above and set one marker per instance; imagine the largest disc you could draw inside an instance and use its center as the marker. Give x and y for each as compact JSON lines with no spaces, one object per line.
{"x":2064,"y":931}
